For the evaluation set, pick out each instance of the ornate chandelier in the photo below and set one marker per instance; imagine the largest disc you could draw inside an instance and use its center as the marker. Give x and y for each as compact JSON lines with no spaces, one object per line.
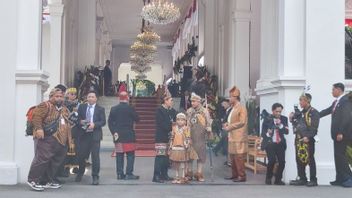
{"x":160,"y":12}
{"x":142,"y":52}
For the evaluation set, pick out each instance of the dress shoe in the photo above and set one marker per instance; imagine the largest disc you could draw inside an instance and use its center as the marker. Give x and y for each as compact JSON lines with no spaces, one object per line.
{"x":268,"y":181}
{"x":335,"y":183}
{"x":132,"y":177}
{"x":279,"y":183}
{"x":95,"y":180}
{"x":312,"y":184}
{"x":239,"y":179}
{"x":298,"y":182}
{"x":230,"y":178}
{"x":56,"y":180}
{"x":167,"y":178}
{"x":121,"y":177}
{"x":157,"y":179}
{"x":78,"y":178}
{"x":75,"y":170}
{"x":348,"y":183}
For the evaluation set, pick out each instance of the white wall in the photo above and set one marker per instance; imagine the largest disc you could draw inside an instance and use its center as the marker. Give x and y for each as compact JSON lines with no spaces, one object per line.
{"x":155,"y":75}
{"x":121,"y":54}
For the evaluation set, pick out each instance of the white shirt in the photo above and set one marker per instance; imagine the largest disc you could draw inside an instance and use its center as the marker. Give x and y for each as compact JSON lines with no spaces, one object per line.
{"x":91,"y":111}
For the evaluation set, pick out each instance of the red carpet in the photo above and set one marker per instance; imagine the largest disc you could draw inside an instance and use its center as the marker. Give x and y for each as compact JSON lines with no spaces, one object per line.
{"x":145,"y":129}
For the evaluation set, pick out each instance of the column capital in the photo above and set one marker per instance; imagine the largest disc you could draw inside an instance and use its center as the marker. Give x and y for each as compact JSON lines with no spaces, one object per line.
{"x":33,"y":77}
{"x":268,"y":86}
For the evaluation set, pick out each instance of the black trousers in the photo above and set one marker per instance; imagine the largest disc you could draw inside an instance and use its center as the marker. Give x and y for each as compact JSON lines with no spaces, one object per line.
{"x":301,"y":167}
{"x":343,"y":171}
{"x":120,"y":163}
{"x":49,"y":154}
{"x":161,"y":166}
{"x":89,"y":146}
{"x":275,"y":153}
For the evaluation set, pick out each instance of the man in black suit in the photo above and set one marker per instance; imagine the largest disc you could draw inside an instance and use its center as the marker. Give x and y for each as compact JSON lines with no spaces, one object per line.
{"x":274,"y":130}
{"x":121,"y":120}
{"x":107,"y":78}
{"x":340,"y":133}
{"x":165,"y":115}
{"x":91,"y":119}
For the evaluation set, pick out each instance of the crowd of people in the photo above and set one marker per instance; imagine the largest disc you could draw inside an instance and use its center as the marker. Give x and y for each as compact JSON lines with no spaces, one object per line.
{"x":62,"y":125}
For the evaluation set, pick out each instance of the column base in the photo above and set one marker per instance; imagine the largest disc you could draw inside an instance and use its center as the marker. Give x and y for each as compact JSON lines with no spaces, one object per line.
{"x":9,"y":173}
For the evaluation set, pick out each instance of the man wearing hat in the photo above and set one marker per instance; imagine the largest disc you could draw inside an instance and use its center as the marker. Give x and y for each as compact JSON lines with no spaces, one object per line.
{"x":305,"y":127}
{"x":165,"y":116}
{"x":236,"y":126}
{"x":340,"y":111}
{"x":200,"y":125}
{"x":121,"y":120}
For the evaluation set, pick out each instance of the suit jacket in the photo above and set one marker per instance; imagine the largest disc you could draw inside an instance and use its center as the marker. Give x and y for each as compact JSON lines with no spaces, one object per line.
{"x":269,"y":124}
{"x":164,"y":119}
{"x":121,"y":120}
{"x":238,"y":137}
{"x":98,"y":120}
{"x":340,"y":118}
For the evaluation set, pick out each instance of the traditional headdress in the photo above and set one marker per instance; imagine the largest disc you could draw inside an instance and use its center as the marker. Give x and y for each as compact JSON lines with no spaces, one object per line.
{"x":123,"y":95}
{"x":53,"y":91}
{"x":181,"y":116}
{"x":167,"y":95}
{"x":195,"y":97}
{"x":234,"y":91}
{"x":306,"y":96}
{"x":72,"y":90}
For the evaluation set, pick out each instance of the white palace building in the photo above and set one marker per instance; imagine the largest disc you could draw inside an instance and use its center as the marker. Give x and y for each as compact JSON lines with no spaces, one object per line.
{"x":271,"y":49}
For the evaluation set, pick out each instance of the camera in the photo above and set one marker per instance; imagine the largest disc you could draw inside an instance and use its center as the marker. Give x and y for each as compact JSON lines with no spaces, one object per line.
{"x":299,"y":124}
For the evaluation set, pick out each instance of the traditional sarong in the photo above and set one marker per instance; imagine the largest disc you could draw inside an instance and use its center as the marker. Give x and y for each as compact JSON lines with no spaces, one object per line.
{"x":124,"y":147}
{"x":161,"y":149}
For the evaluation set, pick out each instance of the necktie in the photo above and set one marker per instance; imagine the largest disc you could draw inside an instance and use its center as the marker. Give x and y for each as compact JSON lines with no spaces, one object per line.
{"x":277,"y":133}
{"x":335,"y":105}
{"x":89,"y":114}
{"x":278,"y":139}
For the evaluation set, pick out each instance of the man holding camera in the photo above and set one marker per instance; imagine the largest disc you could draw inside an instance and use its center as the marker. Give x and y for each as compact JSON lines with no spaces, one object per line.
{"x":305,"y":126}
{"x":273,"y":130}
{"x":91,"y":119}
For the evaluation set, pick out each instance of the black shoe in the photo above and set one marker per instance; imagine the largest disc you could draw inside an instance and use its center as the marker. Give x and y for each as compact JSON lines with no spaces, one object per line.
{"x":335,"y":183}
{"x":78,"y":178}
{"x":132,"y":177}
{"x":167,"y":178}
{"x":75,"y":170}
{"x":157,"y":179}
{"x":312,"y":184}
{"x":230,"y":178}
{"x":268,"y":181}
{"x":279,"y":183}
{"x":95,"y":180}
{"x":56,"y":180}
{"x":121,"y":177}
{"x":298,"y":182}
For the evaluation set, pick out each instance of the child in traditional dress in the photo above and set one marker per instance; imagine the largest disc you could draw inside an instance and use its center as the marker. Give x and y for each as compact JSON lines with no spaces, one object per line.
{"x":179,"y":146}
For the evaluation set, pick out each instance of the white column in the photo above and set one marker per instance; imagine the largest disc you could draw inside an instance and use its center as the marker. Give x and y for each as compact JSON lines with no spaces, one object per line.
{"x":209,"y":35}
{"x":239,"y":46}
{"x":292,"y":46}
{"x":86,"y":32}
{"x":25,"y":83}
{"x":8,"y":38}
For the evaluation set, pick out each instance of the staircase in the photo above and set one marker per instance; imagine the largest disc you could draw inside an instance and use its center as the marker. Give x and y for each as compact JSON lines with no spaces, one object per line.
{"x":145,"y":128}
{"x":107,"y":102}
